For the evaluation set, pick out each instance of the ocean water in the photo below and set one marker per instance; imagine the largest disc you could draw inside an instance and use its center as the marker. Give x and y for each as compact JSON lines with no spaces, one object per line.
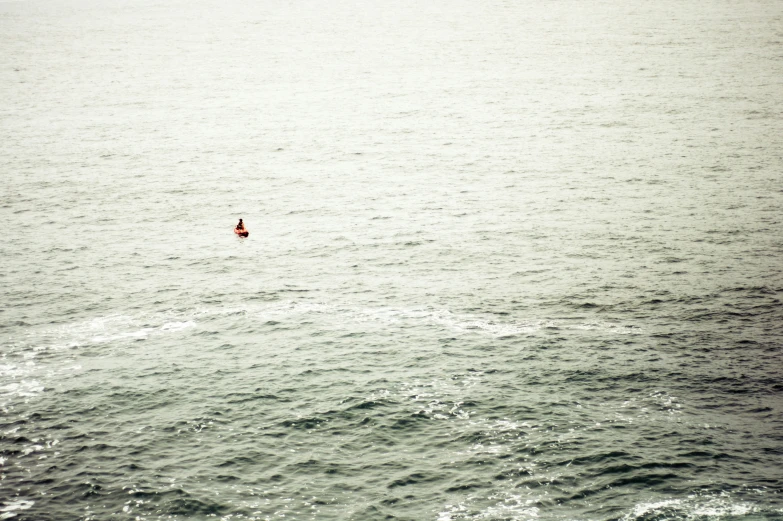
{"x":507,"y":260}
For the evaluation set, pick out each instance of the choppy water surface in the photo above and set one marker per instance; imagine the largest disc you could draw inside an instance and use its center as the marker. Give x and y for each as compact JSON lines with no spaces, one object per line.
{"x":508,"y":260}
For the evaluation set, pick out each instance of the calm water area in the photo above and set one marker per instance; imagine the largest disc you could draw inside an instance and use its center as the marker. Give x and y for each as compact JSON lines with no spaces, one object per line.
{"x":508,"y":261}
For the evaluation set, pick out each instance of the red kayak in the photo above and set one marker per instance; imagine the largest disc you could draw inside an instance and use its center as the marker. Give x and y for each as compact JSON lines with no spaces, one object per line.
{"x":241,"y":233}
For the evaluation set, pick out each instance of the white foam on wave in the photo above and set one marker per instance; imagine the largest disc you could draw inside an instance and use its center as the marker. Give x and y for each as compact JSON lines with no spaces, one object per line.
{"x":23,"y":388}
{"x":691,"y":508}
{"x":437,"y":399}
{"x":18,"y":381}
{"x":23,"y":368}
{"x":427,"y":316}
{"x":120,"y":327}
{"x":505,"y":436}
{"x":461,"y":324}
{"x":519,"y":508}
{"x":511,"y":506}
{"x":11,"y":508}
{"x":100,"y":330}
{"x":144,"y":332}
{"x":655,"y":406}
{"x":466,"y":323}
{"x":177,"y":326}
{"x":138,"y":334}
{"x":471,"y":324}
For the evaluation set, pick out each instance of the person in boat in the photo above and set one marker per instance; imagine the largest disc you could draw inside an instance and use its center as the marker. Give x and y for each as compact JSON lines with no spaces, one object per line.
{"x":241,"y":230}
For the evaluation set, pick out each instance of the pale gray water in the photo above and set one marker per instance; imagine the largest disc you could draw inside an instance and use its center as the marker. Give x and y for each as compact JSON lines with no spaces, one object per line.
{"x":507,"y":260}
